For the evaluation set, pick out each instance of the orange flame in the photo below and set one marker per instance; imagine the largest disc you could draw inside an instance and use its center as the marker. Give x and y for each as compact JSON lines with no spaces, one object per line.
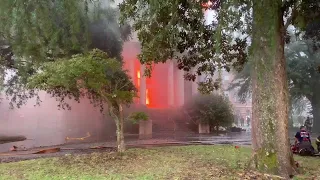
{"x":207,"y":4}
{"x":147,"y":97}
{"x":138,"y":74}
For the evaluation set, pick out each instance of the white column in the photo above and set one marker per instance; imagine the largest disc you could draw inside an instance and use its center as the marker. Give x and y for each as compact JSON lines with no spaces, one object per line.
{"x":143,"y":85}
{"x":170,"y":84}
{"x":145,"y":127}
{"x":131,"y":69}
{"x":180,"y":87}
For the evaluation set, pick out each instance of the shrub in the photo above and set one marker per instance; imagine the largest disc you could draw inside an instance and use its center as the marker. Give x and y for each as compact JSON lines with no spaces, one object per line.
{"x":213,"y":109}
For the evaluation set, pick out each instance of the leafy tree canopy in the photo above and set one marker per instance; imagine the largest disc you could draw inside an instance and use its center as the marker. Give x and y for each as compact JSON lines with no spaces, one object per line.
{"x":302,"y":72}
{"x":303,"y":78}
{"x":177,"y":30}
{"x":93,"y":75}
{"x":301,"y":52}
{"x":33,"y":33}
{"x":46,"y":28}
{"x":302,"y":59}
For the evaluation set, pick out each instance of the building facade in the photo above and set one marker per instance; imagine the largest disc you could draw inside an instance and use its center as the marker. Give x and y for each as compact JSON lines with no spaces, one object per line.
{"x":242,"y":111}
{"x":167,"y":89}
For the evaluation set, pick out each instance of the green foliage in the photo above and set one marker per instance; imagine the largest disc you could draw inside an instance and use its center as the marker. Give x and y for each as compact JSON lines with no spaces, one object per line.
{"x":306,"y":18}
{"x":35,"y":33}
{"x":268,"y":160}
{"x":302,"y":73}
{"x":303,"y":77}
{"x":307,"y":12}
{"x":49,"y":30}
{"x":93,"y":75}
{"x":137,"y":163}
{"x":153,"y":163}
{"x":46,"y":28}
{"x":136,"y":117}
{"x":177,"y":30}
{"x":213,"y":109}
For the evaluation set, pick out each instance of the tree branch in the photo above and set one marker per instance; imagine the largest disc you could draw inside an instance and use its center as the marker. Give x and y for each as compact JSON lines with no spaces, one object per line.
{"x":290,"y":20}
{"x":285,"y":7}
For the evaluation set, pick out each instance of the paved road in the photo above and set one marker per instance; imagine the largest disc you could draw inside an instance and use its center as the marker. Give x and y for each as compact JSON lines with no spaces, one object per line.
{"x":242,"y":138}
{"x":163,"y":139}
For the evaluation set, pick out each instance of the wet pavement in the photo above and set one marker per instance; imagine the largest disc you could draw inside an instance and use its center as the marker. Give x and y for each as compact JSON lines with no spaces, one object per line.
{"x":159,"y":139}
{"x":240,"y":138}
{"x":86,"y":148}
{"x":237,"y":138}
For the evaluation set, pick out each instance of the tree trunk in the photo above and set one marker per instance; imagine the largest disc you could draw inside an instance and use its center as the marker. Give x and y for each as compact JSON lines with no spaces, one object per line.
{"x":315,"y":103}
{"x":270,"y":92}
{"x":316,"y":120}
{"x":119,"y":120}
{"x":290,"y":111}
{"x":120,"y":131}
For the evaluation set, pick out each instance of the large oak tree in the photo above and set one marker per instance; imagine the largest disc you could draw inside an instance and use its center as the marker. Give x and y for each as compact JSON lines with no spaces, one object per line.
{"x":177,"y":30}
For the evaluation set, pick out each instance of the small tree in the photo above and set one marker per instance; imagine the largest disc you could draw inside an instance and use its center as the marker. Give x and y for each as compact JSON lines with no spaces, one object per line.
{"x":95,"y":76}
{"x":213,"y":109}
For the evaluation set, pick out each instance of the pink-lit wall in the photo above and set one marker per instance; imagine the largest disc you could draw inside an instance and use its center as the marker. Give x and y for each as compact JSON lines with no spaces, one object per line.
{"x":45,"y":125}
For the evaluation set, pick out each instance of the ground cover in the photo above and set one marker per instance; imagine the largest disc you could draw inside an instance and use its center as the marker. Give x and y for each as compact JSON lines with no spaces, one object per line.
{"x":183,"y":162}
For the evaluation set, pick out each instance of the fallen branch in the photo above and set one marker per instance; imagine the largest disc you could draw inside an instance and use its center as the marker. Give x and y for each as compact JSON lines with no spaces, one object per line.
{"x":45,"y":151}
{"x":82,"y":138}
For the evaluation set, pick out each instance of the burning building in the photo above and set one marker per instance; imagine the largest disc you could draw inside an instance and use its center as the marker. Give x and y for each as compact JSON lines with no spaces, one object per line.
{"x":165,"y":89}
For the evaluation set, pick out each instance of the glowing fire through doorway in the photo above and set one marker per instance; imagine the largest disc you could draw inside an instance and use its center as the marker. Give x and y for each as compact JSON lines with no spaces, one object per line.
{"x":138,"y":77}
{"x":147,"y":90}
{"x":147,"y":97}
{"x":138,"y":74}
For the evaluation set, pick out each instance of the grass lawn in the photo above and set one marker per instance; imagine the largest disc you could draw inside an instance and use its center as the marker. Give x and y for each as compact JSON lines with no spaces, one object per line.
{"x":187,"y":162}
